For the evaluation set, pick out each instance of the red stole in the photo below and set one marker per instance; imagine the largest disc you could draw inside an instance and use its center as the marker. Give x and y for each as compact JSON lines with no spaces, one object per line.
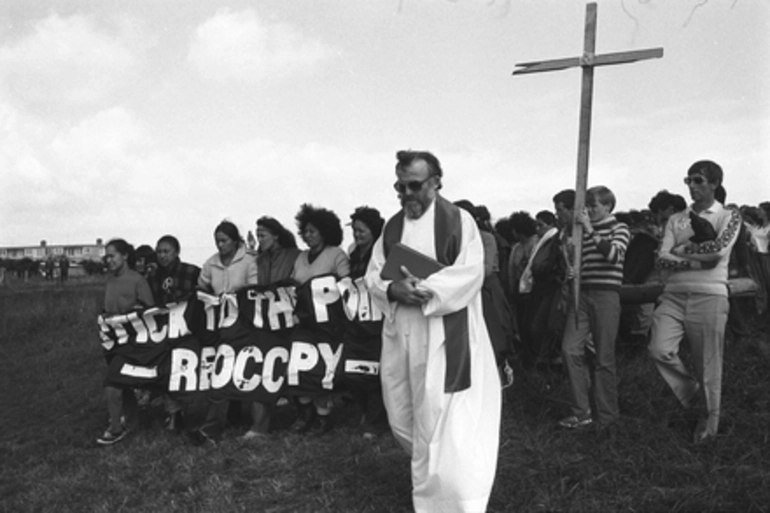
{"x":448,"y":238}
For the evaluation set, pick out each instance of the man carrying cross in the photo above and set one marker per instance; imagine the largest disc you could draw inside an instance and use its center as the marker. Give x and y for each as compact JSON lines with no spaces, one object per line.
{"x":597,"y":314}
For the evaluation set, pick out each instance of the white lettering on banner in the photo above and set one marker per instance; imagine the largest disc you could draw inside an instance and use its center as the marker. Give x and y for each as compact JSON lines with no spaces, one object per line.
{"x":324,"y":292}
{"x":184,"y":362}
{"x":136,"y":371}
{"x":283,"y":306}
{"x":268,"y":369}
{"x":357,"y":302}
{"x":303,"y":357}
{"x":139,"y":327}
{"x":239,"y":379}
{"x":208,"y":357}
{"x":349,"y":294}
{"x":229,"y":313}
{"x":209,"y":304}
{"x":228,"y":310}
{"x":116,"y":323}
{"x":153,"y":324}
{"x":280,"y":304}
{"x":159,"y":324}
{"x":177,"y":325}
{"x":104,"y":329}
{"x":223,"y":366}
{"x":330,"y":359}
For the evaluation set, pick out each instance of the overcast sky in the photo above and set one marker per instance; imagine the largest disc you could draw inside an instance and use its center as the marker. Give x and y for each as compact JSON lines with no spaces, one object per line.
{"x":136,"y":118}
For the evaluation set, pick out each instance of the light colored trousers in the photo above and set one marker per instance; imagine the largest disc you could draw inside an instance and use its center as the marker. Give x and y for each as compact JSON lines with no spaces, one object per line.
{"x":701,"y":318}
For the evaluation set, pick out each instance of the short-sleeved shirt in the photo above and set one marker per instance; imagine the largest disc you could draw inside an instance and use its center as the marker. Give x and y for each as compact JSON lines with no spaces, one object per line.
{"x":331,"y":260}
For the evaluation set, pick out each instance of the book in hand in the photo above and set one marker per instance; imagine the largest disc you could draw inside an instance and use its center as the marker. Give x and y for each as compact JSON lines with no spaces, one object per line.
{"x":419,"y":264}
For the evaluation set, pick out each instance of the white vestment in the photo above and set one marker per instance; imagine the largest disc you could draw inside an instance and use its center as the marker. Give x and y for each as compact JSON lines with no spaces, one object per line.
{"x":453,"y":437}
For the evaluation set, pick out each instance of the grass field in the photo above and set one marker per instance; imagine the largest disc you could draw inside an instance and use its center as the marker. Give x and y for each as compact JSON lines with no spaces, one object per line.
{"x":51,"y":372}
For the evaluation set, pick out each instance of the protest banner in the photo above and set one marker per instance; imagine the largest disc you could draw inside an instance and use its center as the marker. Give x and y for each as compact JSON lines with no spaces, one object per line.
{"x":258,"y":344}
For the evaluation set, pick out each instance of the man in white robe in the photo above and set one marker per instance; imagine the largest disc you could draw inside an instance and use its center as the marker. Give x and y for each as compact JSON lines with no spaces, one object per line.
{"x":440,"y":382}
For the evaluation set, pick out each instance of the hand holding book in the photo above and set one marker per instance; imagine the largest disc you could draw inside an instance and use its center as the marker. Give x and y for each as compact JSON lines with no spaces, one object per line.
{"x":407,"y":290}
{"x":406,"y":268}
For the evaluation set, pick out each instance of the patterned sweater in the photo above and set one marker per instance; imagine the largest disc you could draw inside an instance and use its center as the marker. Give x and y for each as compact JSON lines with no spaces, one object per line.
{"x":602,"y":263}
{"x":703,"y":267}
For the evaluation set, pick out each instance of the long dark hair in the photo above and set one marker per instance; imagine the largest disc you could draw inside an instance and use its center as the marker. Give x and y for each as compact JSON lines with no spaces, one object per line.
{"x":229,"y":229}
{"x":285,"y":237}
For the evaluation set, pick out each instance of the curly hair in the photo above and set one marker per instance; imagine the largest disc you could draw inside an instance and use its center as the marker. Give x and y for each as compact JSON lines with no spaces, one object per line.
{"x":523,"y":224}
{"x":664,"y":199}
{"x":326,"y":221}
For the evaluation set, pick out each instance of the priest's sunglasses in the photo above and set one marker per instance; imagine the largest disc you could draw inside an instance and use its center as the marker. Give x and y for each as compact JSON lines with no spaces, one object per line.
{"x":414,"y":185}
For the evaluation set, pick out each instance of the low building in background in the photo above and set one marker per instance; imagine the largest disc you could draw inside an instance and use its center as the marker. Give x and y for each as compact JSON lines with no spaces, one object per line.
{"x":75,"y":253}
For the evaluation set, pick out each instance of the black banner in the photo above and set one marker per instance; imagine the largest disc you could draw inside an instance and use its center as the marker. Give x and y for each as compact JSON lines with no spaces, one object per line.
{"x":260,"y":343}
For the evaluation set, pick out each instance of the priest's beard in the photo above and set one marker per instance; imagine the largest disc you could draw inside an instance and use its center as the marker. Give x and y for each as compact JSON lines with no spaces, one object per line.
{"x":413,"y":210}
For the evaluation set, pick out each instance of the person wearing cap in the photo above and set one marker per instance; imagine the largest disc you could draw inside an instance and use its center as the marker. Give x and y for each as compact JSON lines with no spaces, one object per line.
{"x":694,"y":302}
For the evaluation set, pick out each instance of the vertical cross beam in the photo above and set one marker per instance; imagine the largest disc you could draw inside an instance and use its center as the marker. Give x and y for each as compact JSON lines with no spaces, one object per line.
{"x":584,"y":143}
{"x":587,"y":62}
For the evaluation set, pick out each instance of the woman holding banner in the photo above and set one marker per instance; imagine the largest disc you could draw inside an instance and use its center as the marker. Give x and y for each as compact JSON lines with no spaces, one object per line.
{"x":366,"y":390}
{"x":276,"y":255}
{"x":321,"y":230}
{"x":277,"y":251}
{"x":126,"y":290}
{"x":230,"y":269}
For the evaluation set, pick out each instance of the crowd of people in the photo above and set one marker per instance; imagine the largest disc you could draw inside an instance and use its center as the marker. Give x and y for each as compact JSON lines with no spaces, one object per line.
{"x":506,"y":296}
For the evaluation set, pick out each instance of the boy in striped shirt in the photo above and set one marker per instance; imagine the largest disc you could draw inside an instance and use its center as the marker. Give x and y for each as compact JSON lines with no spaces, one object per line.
{"x":604,"y":247}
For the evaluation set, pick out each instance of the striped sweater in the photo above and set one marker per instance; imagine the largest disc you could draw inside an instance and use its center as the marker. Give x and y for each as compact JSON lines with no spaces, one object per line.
{"x":602,"y":263}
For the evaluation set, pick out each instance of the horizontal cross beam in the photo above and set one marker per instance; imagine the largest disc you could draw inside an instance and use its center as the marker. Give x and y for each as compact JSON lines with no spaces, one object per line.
{"x":606,"y":59}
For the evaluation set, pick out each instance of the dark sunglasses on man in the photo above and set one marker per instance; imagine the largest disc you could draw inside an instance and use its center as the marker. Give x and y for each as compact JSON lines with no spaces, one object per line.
{"x":414,"y":186}
{"x":695,"y":180}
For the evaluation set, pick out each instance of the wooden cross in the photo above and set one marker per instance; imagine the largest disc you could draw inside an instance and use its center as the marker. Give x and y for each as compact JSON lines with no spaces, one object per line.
{"x":588,"y":61}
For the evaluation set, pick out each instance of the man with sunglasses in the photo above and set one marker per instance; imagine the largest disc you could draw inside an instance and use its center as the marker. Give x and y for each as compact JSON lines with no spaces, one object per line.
{"x":694,"y":302}
{"x":440,"y":383}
